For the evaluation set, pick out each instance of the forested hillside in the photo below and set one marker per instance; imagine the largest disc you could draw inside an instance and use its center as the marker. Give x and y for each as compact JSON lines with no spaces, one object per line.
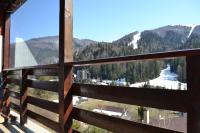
{"x":158,"y":40}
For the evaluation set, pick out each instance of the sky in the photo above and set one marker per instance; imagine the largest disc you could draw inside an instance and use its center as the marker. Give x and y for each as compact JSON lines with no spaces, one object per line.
{"x":103,"y":20}
{"x":36,"y":18}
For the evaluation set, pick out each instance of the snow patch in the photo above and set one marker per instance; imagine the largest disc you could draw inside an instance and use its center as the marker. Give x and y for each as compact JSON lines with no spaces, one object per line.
{"x":166,"y":79}
{"x":109,"y":113}
{"x":192,"y":26}
{"x":75,"y":101}
{"x":187,"y":25}
{"x":136,"y":38}
{"x":192,"y":29}
{"x":166,"y":74}
{"x":121,"y":82}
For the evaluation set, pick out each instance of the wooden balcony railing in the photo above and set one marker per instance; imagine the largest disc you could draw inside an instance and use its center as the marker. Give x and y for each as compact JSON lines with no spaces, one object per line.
{"x":24,"y":83}
{"x":176,"y":100}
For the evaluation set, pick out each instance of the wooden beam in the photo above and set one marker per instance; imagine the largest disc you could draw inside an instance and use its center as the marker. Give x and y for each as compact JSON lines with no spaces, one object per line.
{"x":15,"y":107}
{"x":68,"y":38}
{"x":6,"y":45}
{"x":5,"y":60}
{"x":175,"y":100}
{"x":43,"y":85}
{"x":47,"y":122}
{"x":1,"y":22}
{"x":123,"y":59}
{"x":115,"y":124}
{"x":48,"y":105}
{"x":14,"y":5}
{"x":50,"y":66}
{"x":13,"y":81}
{"x":6,"y":103}
{"x":65,"y":73}
{"x":44,"y":72}
{"x":23,"y":97}
{"x":193,"y":81}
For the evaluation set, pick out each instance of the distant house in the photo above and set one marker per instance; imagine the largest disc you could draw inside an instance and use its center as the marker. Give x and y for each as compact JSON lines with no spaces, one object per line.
{"x":82,"y":75}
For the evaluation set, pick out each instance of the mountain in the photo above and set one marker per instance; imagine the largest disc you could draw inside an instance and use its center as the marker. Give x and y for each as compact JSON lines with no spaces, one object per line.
{"x":162,"y":39}
{"x":45,"y":49}
{"x":167,"y":38}
{"x":178,"y":29}
{"x":52,"y":42}
{"x":81,"y":43}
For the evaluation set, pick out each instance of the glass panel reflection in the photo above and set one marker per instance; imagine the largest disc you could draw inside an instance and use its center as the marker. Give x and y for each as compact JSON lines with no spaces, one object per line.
{"x":34,"y":33}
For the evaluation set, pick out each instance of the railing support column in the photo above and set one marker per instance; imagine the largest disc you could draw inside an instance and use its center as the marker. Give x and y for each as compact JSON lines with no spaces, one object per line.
{"x":6,"y":99}
{"x":6,"y":43}
{"x":193,"y":85}
{"x":1,"y":34}
{"x":65,"y":73}
{"x":23,"y":97}
{"x":5,"y":31}
{"x":1,"y":23}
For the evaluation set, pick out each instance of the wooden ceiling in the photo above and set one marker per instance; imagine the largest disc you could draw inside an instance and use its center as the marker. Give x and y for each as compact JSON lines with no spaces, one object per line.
{"x":10,"y":6}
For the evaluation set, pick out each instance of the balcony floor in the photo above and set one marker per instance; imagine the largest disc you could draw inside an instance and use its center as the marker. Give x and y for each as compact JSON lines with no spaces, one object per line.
{"x":14,"y":127}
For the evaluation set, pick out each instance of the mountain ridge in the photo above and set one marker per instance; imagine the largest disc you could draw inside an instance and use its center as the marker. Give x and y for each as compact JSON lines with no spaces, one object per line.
{"x":167,"y":38}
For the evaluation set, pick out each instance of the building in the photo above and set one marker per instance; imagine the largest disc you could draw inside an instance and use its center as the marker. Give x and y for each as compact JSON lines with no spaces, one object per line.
{"x":83,"y":75}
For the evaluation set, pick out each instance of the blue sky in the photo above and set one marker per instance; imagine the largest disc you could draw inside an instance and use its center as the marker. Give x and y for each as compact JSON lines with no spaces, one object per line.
{"x":36,"y":18}
{"x":104,"y":20}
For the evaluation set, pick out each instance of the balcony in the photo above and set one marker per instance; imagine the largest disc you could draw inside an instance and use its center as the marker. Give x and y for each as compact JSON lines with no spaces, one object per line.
{"x":65,"y":88}
{"x":178,"y":100}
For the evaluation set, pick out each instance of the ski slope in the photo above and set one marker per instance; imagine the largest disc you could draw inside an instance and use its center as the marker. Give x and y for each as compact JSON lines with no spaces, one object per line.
{"x":166,"y":79}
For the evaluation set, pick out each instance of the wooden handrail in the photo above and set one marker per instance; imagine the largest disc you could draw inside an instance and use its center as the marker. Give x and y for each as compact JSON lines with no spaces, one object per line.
{"x":158,"y":98}
{"x":152,"y":56}
{"x":49,"y":66}
{"x":43,"y":85}
{"x":12,"y":80}
{"x":121,"y":59}
{"x":44,"y":104}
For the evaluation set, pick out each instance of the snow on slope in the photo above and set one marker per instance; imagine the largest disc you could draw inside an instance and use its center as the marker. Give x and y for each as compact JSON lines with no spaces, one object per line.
{"x":166,"y":79}
{"x":75,"y":100}
{"x":136,"y":38}
{"x":192,"y":29}
{"x":192,"y":26}
{"x":110,"y":113}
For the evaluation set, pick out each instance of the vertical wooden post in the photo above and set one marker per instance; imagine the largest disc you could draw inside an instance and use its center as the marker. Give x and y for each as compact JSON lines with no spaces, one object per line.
{"x":193,"y":86}
{"x":23,"y":97}
{"x":1,"y":34}
{"x":6,"y":46}
{"x":65,"y":73}
{"x":6,"y":98}
{"x":5,"y":62}
{"x":1,"y":22}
